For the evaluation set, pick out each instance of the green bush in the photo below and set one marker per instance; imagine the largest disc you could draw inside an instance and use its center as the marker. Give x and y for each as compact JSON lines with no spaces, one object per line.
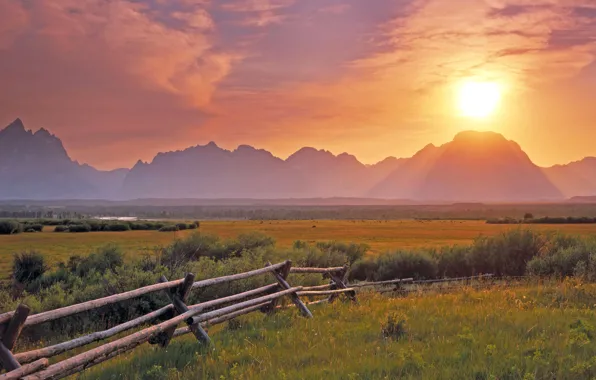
{"x":9,"y":227}
{"x":182,"y":226}
{"x":118,"y":227}
{"x":108,"y":257}
{"x":61,"y":228}
{"x":169,"y":229}
{"x":28,"y":266}
{"x":79,"y":228}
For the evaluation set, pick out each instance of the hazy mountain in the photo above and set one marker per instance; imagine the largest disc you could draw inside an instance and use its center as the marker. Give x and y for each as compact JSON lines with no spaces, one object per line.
{"x":475,"y":166}
{"x":36,"y":166}
{"x":212,"y":172}
{"x":576,"y":178}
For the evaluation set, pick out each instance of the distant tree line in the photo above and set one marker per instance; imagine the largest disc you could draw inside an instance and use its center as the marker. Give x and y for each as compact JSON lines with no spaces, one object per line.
{"x":10,"y":227}
{"x":544,"y":220}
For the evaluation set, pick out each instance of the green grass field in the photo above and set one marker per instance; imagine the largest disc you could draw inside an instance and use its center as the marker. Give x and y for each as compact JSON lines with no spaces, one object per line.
{"x":379,"y":235}
{"x":527,"y":332}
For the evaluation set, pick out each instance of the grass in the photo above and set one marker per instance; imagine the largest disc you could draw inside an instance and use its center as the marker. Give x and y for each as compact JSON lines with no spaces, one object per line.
{"x":527,"y":332}
{"x":379,"y":235}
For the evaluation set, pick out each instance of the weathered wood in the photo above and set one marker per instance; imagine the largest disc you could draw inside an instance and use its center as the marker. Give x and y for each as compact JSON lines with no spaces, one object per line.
{"x":316,"y":270}
{"x":284,"y":284}
{"x":234,"y":297}
{"x":239,"y":276}
{"x":337,"y":279}
{"x":25,"y":370}
{"x":5,"y":317}
{"x":317,"y":287}
{"x":453,"y":279}
{"x":181,"y":308}
{"x":325,"y":292}
{"x":94,"y":304}
{"x":133,"y":340}
{"x":390,"y":282}
{"x":284,"y":273}
{"x":15,"y":326}
{"x":50,"y":351}
{"x":7,"y":359}
{"x":223,"y":318}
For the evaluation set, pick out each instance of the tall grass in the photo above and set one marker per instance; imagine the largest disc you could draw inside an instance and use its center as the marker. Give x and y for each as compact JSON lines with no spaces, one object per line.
{"x":520,"y":333}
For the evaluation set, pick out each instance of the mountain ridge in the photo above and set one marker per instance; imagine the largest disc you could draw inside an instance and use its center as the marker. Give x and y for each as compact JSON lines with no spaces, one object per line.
{"x":474,"y":166}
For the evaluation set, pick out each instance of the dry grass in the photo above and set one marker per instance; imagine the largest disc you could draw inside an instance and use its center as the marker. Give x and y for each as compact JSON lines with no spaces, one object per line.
{"x":379,"y":235}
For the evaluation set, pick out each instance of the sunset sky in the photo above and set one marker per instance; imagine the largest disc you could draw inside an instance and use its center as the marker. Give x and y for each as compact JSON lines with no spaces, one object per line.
{"x":121,"y":80}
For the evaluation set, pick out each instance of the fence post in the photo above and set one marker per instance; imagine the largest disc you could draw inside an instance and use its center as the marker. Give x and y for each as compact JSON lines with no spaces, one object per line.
{"x":178,"y":298}
{"x":271,"y":307}
{"x":337,"y":282}
{"x":9,"y":338}
{"x":284,"y":284}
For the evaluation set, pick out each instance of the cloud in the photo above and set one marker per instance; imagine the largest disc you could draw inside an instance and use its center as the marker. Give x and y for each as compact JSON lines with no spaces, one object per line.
{"x":259,"y":13}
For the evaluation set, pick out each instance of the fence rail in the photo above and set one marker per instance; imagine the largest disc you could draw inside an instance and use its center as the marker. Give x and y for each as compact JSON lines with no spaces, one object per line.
{"x":35,"y":364}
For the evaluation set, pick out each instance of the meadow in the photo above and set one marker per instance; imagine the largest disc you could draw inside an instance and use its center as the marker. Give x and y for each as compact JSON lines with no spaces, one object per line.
{"x":533,"y":331}
{"x":379,"y":235}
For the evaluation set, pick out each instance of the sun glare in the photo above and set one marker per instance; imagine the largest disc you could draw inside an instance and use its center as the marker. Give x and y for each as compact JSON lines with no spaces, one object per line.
{"x":479,"y":99}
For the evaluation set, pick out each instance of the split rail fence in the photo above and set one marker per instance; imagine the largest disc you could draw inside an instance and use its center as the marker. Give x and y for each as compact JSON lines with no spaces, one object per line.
{"x":35,"y":364}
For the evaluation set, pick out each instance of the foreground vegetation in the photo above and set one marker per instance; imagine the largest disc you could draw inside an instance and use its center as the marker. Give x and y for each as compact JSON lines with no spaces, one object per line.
{"x":380,"y":236}
{"x":541,"y":331}
{"x":531,"y":332}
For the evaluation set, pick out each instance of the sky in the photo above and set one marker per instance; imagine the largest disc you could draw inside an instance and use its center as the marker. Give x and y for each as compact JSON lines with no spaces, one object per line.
{"x":120,"y":80}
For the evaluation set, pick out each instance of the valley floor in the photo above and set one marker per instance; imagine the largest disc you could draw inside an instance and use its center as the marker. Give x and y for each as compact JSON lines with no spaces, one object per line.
{"x":381,"y":236}
{"x":537,"y":331}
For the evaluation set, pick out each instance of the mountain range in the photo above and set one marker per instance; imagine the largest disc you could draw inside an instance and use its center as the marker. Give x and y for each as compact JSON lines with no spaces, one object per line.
{"x":474,"y":167}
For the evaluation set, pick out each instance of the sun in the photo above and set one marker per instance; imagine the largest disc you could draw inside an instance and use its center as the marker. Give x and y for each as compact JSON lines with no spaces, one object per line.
{"x":479,"y":99}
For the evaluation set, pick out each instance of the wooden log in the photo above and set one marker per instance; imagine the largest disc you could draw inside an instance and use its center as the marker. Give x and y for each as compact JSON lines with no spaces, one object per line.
{"x":7,"y":359}
{"x":317,"y":287}
{"x":452,"y":279}
{"x":233,"y":298}
{"x":223,"y":318}
{"x":338,"y":283}
{"x":6,"y":317}
{"x":284,"y":284}
{"x":131,"y":341}
{"x":284,"y":273}
{"x":50,"y":351}
{"x":180,"y":307}
{"x":239,"y":276}
{"x":25,"y":370}
{"x":390,"y":282}
{"x":94,"y":304}
{"x":325,"y":292}
{"x":15,"y":326}
{"x":316,"y":270}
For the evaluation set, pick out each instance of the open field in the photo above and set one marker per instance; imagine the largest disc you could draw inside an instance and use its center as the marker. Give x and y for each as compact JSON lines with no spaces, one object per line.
{"x":527,"y":332}
{"x":379,"y":235}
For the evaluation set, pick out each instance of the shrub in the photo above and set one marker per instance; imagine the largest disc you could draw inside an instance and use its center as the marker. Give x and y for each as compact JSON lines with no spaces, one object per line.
{"x":61,"y":228}
{"x":28,"y":266}
{"x":118,"y":227}
{"x":108,"y":257}
{"x":394,"y":327}
{"x":79,"y":228}
{"x":35,"y":227}
{"x":9,"y":227}
{"x":193,"y":226}
{"x":169,"y":229}
{"x":405,"y":264}
{"x":182,"y":226}
{"x":352,"y":251}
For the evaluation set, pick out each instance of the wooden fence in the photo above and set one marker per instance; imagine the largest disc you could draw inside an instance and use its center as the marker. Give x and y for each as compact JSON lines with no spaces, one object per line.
{"x":35,"y":365}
